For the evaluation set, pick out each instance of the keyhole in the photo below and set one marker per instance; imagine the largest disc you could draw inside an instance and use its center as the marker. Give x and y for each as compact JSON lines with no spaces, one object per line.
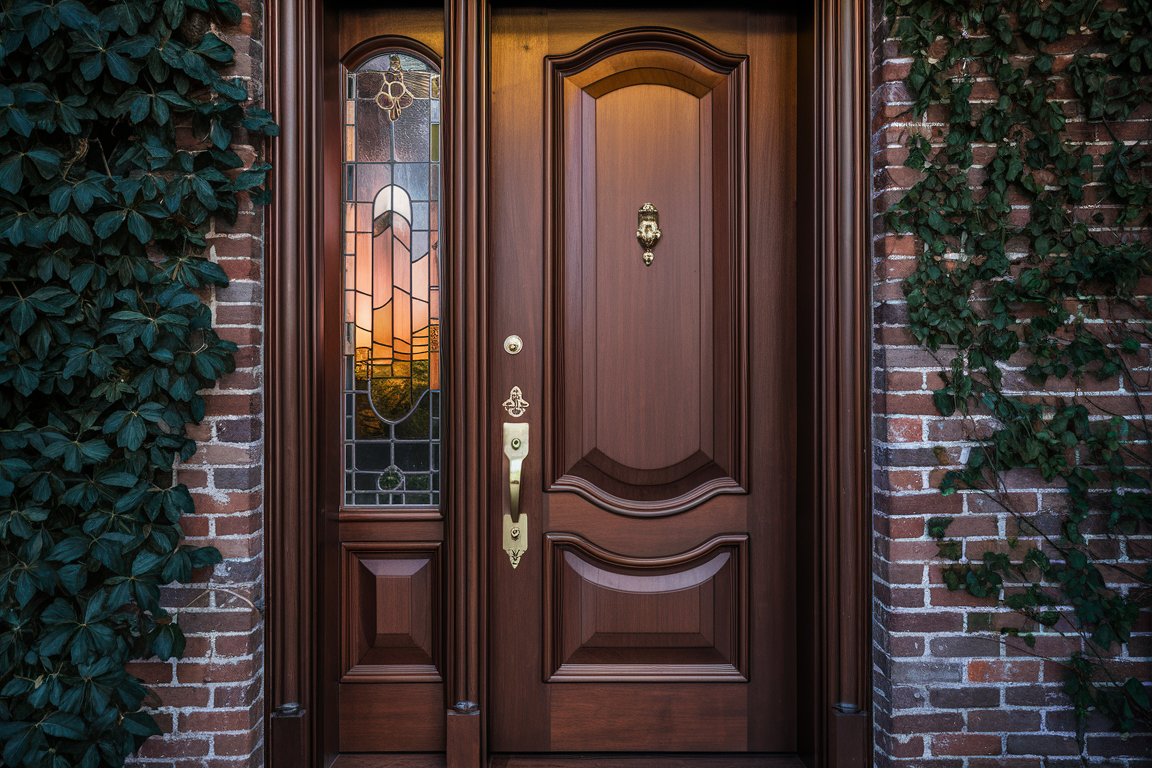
{"x":516,"y":443}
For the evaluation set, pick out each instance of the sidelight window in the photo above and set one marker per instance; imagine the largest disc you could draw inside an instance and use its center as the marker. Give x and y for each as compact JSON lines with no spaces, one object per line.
{"x":392,"y":309}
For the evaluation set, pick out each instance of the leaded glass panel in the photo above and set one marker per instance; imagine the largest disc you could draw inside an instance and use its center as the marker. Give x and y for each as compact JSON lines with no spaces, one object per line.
{"x":392,"y":282}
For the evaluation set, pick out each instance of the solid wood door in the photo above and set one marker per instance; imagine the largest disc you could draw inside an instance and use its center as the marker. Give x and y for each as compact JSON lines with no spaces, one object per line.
{"x":654,"y":606}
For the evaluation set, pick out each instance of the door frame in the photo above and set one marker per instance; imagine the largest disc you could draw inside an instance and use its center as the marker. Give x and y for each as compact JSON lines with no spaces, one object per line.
{"x":834,"y":298}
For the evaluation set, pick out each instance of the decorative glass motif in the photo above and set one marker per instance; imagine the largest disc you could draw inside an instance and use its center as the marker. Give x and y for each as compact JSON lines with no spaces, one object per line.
{"x":392,"y":282}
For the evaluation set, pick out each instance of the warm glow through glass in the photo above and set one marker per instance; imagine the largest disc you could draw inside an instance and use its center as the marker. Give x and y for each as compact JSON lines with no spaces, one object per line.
{"x":392,"y":282}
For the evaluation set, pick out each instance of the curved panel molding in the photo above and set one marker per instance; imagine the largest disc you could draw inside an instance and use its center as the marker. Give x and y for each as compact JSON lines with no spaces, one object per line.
{"x":609,"y":618}
{"x":646,"y":116}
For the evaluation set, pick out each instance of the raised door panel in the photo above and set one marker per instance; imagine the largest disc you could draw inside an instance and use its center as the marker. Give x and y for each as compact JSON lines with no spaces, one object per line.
{"x":646,"y":364}
{"x":391,"y":612}
{"x":610,"y":618}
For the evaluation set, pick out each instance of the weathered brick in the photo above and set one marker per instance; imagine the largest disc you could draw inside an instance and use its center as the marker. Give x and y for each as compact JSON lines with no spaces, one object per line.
{"x":1016,"y":671}
{"x":966,"y":744}
{"x":964,"y":698}
{"x":1041,"y":744}
{"x":936,"y":722}
{"x":927,"y":672}
{"x":1002,"y":720}
{"x":965,"y":646}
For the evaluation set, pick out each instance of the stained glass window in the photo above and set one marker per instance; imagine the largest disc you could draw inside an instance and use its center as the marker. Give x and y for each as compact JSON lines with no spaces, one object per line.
{"x":392,"y":282}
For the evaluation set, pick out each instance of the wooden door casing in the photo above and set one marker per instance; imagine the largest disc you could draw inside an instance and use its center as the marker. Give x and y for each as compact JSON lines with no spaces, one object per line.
{"x":654,"y":608}
{"x":832,"y":296}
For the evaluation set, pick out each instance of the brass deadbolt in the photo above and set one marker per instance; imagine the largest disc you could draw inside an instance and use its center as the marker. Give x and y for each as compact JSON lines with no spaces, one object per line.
{"x":513,"y":344}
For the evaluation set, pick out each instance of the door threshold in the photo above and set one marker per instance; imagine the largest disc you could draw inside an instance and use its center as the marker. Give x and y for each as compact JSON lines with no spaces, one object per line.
{"x":648,"y":760}
{"x":390,"y":760}
{"x":597,"y":760}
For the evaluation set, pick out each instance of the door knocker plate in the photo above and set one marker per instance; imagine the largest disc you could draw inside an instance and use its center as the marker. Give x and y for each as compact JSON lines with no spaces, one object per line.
{"x":515,"y":404}
{"x":648,"y":230}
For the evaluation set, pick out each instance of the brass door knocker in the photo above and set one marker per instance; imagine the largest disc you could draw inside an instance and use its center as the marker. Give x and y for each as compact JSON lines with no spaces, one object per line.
{"x":648,"y":230}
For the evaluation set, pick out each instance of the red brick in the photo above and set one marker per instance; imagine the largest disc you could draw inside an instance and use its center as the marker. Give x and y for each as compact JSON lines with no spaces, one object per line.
{"x":227,"y":744}
{"x":965,"y":744}
{"x":913,"y":747}
{"x":218,"y":720}
{"x":1014,"y":671}
{"x":238,"y":524}
{"x":183,"y":696}
{"x":905,"y":430}
{"x":151,"y":672}
{"x":178,"y":746}
{"x":941,"y":722}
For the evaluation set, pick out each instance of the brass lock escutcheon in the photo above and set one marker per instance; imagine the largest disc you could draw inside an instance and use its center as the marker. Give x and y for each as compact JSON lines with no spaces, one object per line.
{"x":515,"y":524}
{"x":648,"y":230}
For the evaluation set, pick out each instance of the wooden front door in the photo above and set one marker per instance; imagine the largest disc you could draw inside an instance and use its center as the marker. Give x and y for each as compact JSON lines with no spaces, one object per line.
{"x":653,"y":605}
{"x":453,"y":174}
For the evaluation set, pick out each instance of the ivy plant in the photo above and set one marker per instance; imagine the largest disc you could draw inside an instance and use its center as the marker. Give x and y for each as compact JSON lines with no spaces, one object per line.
{"x":1031,"y":285}
{"x":115,"y":133}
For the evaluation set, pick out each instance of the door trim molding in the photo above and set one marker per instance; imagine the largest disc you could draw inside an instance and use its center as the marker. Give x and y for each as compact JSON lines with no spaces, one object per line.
{"x":465,"y":221}
{"x":293,"y":527}
{"x":835,"y":475}
{"x":840,"y":482}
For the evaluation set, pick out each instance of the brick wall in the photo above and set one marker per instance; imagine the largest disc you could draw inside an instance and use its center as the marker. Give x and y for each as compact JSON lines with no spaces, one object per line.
{"x":210,"y":704}
{"x":948,"y":693}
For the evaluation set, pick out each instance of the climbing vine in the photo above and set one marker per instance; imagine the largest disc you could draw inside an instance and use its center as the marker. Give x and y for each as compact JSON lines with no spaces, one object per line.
{"x":115,"y":135}
{"x":1031,"y":284}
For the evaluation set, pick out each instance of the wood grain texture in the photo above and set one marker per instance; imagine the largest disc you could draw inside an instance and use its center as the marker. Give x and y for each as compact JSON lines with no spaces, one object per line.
{"x":387,"y":760}
{"x":392,"y":529}
{"x":464,"y":739}
{"x":833,"y":304}
{"x":467,"y":442}
{"x":419,"y":21}
{"x":391,"y":612}
{"x":677,"y":717}
{"x":679,"y":618}
{"x":396,"y":717}
{"x":302,"y":64}
{"x":517,"y":709}
{"x":646,"y":536}
{"x":525,"y":712}
{"x":646,"y":376}
{"x":366,"y":46}
{"x":772,"y":172}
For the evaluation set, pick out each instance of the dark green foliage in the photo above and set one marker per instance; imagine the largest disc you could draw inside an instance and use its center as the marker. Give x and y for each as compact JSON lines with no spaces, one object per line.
{"x":1053,"y":292}
{"x":104,"y":344}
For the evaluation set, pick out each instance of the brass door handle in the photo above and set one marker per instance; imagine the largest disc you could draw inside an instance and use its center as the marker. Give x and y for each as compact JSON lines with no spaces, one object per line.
{"x":515,"y":524}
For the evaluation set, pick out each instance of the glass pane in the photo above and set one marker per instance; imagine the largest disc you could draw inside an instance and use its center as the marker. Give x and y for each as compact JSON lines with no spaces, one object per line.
{"x":392,"y":282}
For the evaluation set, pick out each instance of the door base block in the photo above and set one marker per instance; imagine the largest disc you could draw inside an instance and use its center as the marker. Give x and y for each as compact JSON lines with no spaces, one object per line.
{"x":850,"y":745}
{"x":464,"y":736}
